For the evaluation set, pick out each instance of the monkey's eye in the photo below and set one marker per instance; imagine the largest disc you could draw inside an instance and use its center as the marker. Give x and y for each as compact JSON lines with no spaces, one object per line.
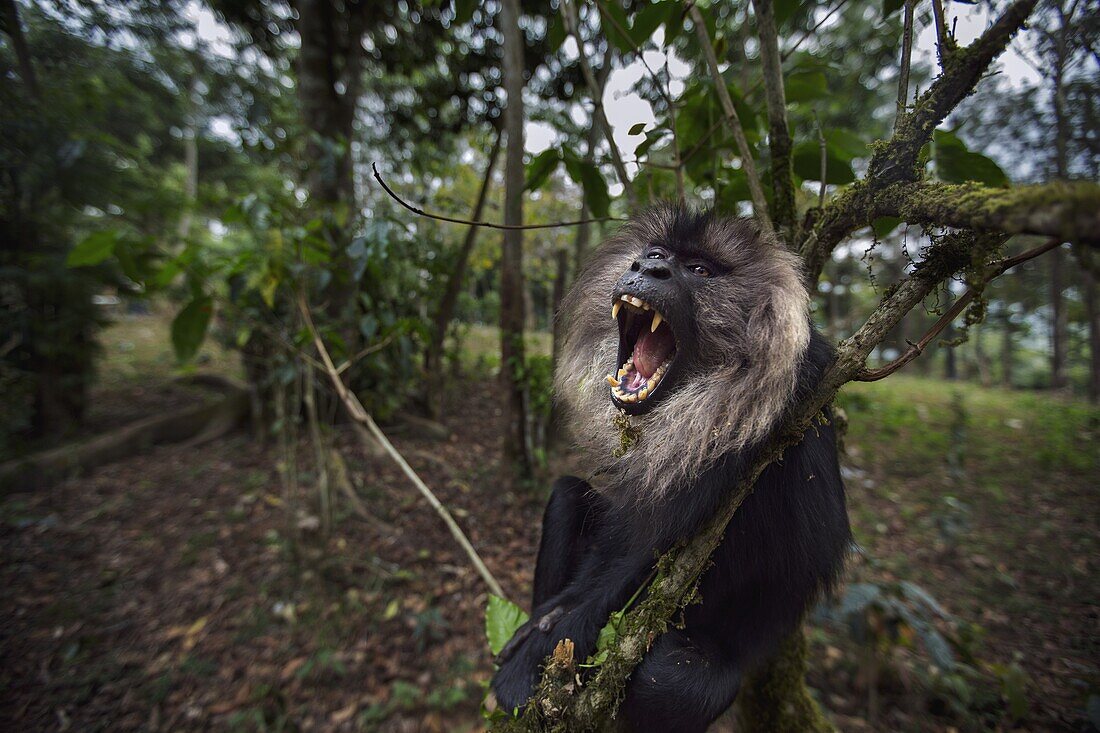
{"x":701,"y":270}
{"x":656,"y":254}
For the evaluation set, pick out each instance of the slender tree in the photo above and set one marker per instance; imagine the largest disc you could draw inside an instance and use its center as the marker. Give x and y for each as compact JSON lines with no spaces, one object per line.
{"x":516,"y":463}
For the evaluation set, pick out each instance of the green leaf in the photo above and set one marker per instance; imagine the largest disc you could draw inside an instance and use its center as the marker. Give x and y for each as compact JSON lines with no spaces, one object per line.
{"x":646,"y":21}
{"x":502,"y":618}
{"x":806,"y":86}
{"x":189,"y":326}
{"x":596,"y":196}
{"x":636,"y":129}
{"x":954,"y":163}
{"x":674,"y":21}
{"x":807,"y":163}
{"x":652,"y":137}
{"x":464,"y":11}
{"x":784,"y":9}
{"x":884,"y":225}
{"x":612,"y":19}
{"x":889,"y":7}
{"x":846,"y":144}
{"x":95,"y":248}
{"x":540,"y":168}
{"x":555,"y":33}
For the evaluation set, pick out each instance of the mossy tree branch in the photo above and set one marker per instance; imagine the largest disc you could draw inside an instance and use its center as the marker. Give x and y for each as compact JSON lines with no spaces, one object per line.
{"x":561,"y":708}
{"x":1069,"y":211}
{"x":896,"y":160}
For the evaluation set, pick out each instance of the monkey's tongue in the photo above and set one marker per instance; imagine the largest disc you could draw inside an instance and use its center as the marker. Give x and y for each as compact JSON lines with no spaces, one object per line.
{"x":652,"y":349}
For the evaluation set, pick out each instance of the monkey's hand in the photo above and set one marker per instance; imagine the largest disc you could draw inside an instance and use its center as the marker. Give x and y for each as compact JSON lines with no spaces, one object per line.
{"x":522,"y":658}
{"x":543,"y":624}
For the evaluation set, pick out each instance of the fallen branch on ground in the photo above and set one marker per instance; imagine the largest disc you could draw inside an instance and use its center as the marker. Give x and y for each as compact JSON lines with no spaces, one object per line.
{"x":359,"y":414}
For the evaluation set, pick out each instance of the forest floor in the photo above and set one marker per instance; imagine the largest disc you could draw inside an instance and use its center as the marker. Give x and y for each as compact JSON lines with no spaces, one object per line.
{"x":178,"y":590}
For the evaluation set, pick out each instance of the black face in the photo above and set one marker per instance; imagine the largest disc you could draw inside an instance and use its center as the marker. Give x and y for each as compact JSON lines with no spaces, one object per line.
{"x":653,"y":306}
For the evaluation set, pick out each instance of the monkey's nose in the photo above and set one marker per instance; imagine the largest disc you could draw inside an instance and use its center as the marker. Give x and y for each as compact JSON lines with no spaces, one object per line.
{"x":654,"y":268}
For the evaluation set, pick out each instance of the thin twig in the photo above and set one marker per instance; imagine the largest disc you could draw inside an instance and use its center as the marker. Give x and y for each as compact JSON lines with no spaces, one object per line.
{"x":915,"y":350}
{"x":790,"y":51}
{"x":906,"y":59}
{"x":486,"y":224}
{"x":941,"y":31}
{"x":760,"y":204}
{"x":679,"y":167}
{"x":360,"y":415}
{"x":348,"y":363}
{"x":824,"y":161}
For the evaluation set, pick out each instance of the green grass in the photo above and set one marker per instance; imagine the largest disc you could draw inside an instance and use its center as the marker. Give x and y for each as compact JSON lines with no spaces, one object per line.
{"x":478,"y":347}
{"x":1004,"y":435}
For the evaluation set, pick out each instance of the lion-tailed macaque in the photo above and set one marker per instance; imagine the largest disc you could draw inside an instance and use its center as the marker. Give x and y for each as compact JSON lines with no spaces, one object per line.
{"x":687,"y":339}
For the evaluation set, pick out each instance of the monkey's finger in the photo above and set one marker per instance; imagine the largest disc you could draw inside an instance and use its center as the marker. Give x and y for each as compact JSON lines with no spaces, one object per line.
{"x":547,"y":622}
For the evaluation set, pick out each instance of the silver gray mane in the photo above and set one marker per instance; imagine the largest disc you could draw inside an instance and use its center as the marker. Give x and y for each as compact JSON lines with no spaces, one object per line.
{"x":753,"y":330}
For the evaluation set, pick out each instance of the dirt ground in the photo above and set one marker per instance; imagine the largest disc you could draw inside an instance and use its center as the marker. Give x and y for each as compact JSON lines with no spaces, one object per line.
{"x":178,"y":591}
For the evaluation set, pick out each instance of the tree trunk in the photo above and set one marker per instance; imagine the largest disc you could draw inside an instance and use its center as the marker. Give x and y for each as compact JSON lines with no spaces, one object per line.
{"x":516,"y":463}
{"x":1058,"y":337}
{"x":981,"y":360}
{"x":190,"y":153}
{"x":1007,"y":351}
{"x":323,"y":69}
{"x":14,"y":28}
{"x":774,"y":698}
{"x":560,"y":277}
{"x":950,"y":363}
{"x":433,"y":357}
{"x":1092,"y":313}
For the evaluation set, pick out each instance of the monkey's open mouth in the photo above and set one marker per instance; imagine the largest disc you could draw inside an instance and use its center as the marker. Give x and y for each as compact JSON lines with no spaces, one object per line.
{"x":647,"y":348}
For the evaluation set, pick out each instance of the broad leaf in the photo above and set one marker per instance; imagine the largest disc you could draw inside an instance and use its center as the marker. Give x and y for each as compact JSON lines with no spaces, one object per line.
{"x":596,"y":196}
{"x":954,"y":163}
{"x":884,"y":225}
{"x":652,"y":137}
{"x":95,"y":248}
{"x":189,"y":326}
{"x":807,"y":163}
{"x":615,"y":25}
{"x":464,"y":11}
{"x":806,"y":86}
{"x":636,"y":129}
{"x":540,"y":168}
{"x":502,"y":618}
{"x":646,"y":21}
{"x":674,"y":21}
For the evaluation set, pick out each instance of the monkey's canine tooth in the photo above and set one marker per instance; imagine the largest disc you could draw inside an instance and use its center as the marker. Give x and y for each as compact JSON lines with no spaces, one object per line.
{"x":615,"y":310}
{"x":656,"y":322}
{"x":612,"y":381}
